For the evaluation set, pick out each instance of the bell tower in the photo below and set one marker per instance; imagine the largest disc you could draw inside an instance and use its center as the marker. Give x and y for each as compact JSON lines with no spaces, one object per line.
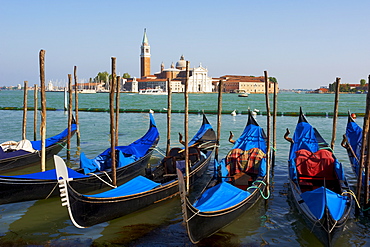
{"x":145,"y":56}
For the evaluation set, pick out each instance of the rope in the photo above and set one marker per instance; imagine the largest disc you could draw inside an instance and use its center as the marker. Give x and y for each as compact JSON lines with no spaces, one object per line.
{"x":160,"y":151}
{"x":193,"y":215}
{"x":354,"y":196}
{"x":256,"y":187}
{"x":103,"y":180}
{"x":60,"y":144}
{"x":51,"y":192}
{"x":328,"y":148}
{"x":333,"y":226}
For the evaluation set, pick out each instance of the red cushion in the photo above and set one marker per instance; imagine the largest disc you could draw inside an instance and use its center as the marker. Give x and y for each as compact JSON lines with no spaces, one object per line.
{"x":319,"y":164}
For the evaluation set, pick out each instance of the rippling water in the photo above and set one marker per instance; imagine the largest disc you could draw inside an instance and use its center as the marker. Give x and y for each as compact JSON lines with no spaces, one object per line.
{"x":275,"y":223}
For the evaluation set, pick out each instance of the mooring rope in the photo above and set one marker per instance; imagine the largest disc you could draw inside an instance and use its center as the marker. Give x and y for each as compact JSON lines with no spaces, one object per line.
{"x":103,"y":180}
{"x":160,"y":151}
{"x":193,"y":215}
{"x":354,"y":196}
{"x":256,"y":187}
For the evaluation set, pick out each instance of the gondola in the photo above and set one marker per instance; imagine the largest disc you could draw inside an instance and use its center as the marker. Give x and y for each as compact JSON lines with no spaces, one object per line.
{"x":318,"y":187}
{"x":239,"y":182}
{"x":157,"y":185}
{"x":42,"y":185}
{"x":18,"y":154}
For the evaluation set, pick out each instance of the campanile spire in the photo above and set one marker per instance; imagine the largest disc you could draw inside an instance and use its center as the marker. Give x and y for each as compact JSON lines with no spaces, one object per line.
{"x":145,"y":56}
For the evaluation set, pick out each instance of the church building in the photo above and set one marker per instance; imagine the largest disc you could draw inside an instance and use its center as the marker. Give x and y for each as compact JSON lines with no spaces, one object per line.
{"x":199,"y":81}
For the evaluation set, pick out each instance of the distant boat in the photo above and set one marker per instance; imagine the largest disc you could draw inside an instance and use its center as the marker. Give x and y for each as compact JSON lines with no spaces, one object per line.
{"x":87,"y":91}
{"x":150,"y":91}
{"x":243,"y":95}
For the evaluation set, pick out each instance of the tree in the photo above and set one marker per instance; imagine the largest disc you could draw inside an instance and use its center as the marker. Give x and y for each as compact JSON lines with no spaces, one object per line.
{"x":126,"y":75}
{"x":273,"y":79}
{"x":362,"y":82}
{"x":103,"y":77}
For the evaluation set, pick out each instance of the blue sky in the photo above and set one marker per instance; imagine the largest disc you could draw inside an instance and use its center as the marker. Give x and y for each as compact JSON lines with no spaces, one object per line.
{"x":304,"y":44}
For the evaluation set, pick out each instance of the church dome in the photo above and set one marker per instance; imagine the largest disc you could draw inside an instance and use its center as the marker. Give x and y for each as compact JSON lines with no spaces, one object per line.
{"x":181,"y":64}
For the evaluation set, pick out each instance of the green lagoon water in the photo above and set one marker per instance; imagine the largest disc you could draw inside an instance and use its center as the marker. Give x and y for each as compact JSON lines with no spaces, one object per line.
{"x":276,"y":223}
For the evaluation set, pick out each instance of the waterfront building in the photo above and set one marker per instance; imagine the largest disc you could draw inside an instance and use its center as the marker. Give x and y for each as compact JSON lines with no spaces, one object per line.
{"x":245,"y":84}
{"x":199,"y":81}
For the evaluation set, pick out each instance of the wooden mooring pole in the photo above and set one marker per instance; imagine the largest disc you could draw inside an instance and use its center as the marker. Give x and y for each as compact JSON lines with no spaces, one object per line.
{"x":365,"y":138}
{"x":24,"y":125}
{"x":69,"y":117}
{"x":117,"y":107}
{"x":169,"y":112}
{"x":112,"y":122}
{"x":186,"y":126}
{"x":274,"y":124}
{"x":335,"y":116}
{"x":76,"y":107}
{"x":35,"y":99}
{"x":219,"y":110}
{"x":43,"y":110}
{"x":267,"y":86}
{"x":367,"y":161}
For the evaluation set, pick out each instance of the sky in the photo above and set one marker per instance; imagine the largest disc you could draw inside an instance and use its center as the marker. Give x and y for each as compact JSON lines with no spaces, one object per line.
{"x":302,"y":43}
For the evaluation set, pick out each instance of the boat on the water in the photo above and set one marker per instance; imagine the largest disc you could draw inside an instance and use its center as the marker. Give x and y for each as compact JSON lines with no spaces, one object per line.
{"x":151,"y":91}
{"x":18,"y":154}
{"x":318,"y":186}
{"x":87,"y":91}
{"x":243,"y":95}
{"x":157,"y":185}
{"x":93,"y":174}
{"x":238,"y":183}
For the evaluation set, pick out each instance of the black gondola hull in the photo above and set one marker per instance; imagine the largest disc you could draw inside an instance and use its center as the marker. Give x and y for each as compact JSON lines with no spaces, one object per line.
{"x":26,"y":158}
{"x":327,"y":230}
{"x":87,"y":211}
{"x":200,"y":225}
{"x":18,"y":190}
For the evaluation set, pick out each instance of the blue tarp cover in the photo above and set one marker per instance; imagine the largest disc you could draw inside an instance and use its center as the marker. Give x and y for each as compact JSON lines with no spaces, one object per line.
{"x":321,"y":197}
{"x":54,"y":139}
{"x":354,"y":137}
{"x":127,"y":154}
{"x":134,"y":186}
{"x":203,"y":129}
{"x":221,"y":196}
{"x":50,"y":174}
{"x":252,"y":137}
{"x":304,"y":138}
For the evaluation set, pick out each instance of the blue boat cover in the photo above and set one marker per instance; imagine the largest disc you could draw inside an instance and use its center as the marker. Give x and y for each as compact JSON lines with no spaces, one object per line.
{"x":321,"y":197}
{"x":252,"y":137}
{"x":221,"y":196}
{"x":48,"y":175}
{"x":126,"y":154}
{"x":54,"y":139}
{"x":354,"y":136}
{"x":203,"y":129}
{"x":304,"y":138}
{"x":134,"y":186}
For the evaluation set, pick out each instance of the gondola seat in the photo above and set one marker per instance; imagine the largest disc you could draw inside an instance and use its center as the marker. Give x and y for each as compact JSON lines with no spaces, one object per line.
{"x":315,"y":169}
{"x":176,"y":159}
{"x":244,"y":166}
